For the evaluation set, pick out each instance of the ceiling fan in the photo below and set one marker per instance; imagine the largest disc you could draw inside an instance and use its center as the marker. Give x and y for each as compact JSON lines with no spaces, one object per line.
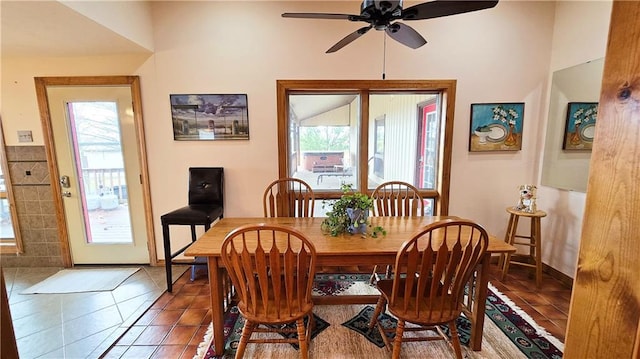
{"x":380,"y":15}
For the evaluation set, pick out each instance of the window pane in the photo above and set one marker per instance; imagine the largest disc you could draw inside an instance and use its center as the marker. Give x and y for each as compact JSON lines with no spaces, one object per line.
{"x":6,"y":227}
{"x":99,"y":161}
{"x":403,"y":138}
{"x":6,"y":224}
{"x":323,"y":139}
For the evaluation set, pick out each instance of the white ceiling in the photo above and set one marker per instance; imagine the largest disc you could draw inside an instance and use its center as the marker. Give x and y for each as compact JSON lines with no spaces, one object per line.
{"x":49,"y":28}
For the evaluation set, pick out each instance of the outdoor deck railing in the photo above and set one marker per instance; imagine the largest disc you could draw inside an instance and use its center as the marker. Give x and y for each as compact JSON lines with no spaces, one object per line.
{"x":101,"y":181}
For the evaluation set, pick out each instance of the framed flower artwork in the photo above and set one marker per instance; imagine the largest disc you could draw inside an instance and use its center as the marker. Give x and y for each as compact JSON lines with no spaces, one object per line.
{"x":496,"y":127}
{"x":580,"y":126}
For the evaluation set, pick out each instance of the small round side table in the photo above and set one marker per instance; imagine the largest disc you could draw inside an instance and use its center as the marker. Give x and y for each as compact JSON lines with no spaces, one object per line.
{"x":534,"y":243}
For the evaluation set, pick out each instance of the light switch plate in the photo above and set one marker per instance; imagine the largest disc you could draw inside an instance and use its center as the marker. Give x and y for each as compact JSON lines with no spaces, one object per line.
{"x":25,"y":136}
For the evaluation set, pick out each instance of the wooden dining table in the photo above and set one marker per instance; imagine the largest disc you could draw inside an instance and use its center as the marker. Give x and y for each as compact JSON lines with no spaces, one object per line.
{"x":341,"y":251}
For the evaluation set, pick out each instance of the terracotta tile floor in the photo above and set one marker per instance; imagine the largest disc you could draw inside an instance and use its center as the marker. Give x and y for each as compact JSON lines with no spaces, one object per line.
{"x":548,"y":306}
{"x":175,"y":325}
{"x":172,"y":327}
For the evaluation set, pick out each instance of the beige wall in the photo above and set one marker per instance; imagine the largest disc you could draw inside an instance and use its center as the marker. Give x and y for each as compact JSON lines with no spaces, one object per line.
{"x":580,"y":35}
{"x":498,"y":55}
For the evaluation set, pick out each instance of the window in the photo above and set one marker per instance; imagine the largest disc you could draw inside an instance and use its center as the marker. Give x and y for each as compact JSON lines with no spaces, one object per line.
{"x":366,"y":132}
{"x":378,"y":153}
{"x":9,"y":233}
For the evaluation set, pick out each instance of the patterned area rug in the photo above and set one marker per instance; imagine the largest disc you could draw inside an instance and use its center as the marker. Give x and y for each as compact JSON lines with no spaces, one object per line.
{"x":529,"y":337}
{"x":360,"y":324}
{"x":233,"y":323}
{"x":531,"y":340}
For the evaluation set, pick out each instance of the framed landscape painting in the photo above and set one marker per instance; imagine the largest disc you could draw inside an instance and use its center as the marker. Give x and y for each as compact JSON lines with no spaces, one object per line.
{"x":496,"y":127}
{"x":580,"y":126}
{"x":209,"y":117}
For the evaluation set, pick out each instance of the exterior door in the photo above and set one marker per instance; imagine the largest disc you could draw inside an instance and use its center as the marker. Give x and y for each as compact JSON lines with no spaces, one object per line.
{"x":99,"y":171}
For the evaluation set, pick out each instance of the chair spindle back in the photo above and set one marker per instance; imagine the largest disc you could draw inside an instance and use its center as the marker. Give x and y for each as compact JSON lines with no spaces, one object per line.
{"x":397,"y":198}
{"x":438,"y":262}
{"x":288,"y":197}
{"x":272,"y":268}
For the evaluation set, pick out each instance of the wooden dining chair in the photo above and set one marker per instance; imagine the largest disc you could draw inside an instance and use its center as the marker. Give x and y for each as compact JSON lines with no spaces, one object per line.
{"x":288,"y":197}
{"x":395,"y":199}
{"x":436,"y":263}
{"x":272,"y":268}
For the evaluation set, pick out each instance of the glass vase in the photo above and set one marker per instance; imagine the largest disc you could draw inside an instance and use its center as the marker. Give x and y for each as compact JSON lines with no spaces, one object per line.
{"x":510,"y":140}
{"x":358,"y":219}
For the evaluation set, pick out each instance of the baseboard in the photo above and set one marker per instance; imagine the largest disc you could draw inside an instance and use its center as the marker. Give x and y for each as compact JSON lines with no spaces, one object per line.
{"x":552,"y":272}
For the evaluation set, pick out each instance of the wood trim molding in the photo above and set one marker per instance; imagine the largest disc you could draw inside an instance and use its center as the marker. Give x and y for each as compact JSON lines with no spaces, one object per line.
{"x":364,"y":87}
{"x":43,"y":105}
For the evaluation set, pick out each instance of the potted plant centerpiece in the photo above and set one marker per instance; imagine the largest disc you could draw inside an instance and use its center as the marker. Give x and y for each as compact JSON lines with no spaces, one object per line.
{"x":350,"y":214}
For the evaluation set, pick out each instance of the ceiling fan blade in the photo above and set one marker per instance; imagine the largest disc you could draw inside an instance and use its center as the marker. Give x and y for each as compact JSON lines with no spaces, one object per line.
{"x":405,"y":35}
{"x":349,"y":39}
{"x":439,"y":8}
{"x":310,"y":15}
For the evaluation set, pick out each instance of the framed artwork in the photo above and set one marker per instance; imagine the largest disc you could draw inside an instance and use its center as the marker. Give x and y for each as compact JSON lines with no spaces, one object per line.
{"x":496,"y":127}
{"x":209,"y":117}
{"x":580,"y":126}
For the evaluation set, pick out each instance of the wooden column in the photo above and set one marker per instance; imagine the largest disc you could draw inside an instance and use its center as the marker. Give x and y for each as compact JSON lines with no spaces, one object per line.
{"x":605,"y":306}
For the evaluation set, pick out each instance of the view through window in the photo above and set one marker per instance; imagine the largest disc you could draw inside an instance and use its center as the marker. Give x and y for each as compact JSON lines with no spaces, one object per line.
{"x":10,"y":240}
{"x":364,"y":133}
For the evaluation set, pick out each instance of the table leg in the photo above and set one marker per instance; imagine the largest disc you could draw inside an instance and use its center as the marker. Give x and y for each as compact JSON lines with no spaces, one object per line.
{"x":217,"y":304}
{"x":478,"y":305}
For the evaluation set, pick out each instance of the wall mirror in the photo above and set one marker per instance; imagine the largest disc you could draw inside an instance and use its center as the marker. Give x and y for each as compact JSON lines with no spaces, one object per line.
{"x":563,"y":169}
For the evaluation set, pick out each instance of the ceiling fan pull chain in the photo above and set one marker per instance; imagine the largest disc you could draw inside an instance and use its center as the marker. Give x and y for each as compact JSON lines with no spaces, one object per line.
{"x":384,"y":55}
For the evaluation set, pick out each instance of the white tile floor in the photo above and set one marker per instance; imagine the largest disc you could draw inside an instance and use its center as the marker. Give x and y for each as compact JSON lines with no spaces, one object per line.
{"x":78,"y":325}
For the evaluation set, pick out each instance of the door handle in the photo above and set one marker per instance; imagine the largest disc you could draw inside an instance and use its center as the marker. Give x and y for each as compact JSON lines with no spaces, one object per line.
{"x":66,"y":194}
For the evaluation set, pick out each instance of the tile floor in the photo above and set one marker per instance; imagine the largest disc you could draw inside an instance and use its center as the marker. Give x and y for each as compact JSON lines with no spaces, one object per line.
{"x":548,"y":306}
{"x":78,"y":325}
{"x":176,"y":323}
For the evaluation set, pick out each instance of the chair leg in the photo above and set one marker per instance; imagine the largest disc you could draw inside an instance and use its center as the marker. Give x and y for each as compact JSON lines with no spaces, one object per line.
{"x":244,"y":338}
{"x":455,"y":341}
{"x":302,"y":339}
{"x":167,"y":256}
{"x":374,"y":275}
{"x":397,"y":342}
{"x":311,"y":325}
{"x":374,"y":318}
{"x":388,"y":273}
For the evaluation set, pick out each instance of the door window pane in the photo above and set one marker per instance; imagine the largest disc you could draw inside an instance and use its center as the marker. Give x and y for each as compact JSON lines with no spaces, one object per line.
{"x":100,"y":170}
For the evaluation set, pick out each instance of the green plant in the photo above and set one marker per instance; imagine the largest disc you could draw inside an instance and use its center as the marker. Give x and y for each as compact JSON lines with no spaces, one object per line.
{"x":338,"y":220}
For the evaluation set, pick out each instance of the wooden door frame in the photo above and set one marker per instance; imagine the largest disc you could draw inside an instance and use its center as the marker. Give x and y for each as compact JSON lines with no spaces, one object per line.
{"x":52,"y":163}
